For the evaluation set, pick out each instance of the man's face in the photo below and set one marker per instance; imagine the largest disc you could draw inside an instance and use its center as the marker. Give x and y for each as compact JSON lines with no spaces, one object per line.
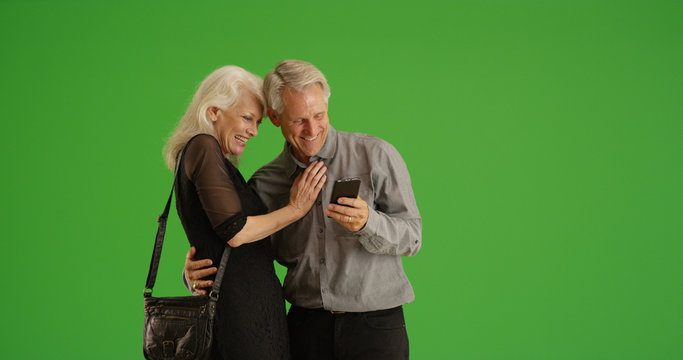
{"x":303,"y":121}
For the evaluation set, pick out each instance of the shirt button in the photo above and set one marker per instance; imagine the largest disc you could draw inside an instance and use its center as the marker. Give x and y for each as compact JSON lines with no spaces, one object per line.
{"x":322,"y":261}
{"x":321,"y":230}
{"x":323,"y":290}
{"x":319,"y":202}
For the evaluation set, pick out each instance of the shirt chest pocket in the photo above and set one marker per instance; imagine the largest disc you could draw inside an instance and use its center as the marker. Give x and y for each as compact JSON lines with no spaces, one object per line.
{"x":366,"y":190}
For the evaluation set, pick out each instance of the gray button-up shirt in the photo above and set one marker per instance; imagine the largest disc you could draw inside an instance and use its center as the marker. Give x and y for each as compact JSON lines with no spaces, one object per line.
{"x":329,"y":266}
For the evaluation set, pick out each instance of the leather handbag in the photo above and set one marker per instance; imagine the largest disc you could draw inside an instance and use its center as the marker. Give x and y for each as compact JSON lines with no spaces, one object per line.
{"x":178,"y":327}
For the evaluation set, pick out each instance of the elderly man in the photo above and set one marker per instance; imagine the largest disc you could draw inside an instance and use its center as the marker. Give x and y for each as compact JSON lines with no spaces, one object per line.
{"x":345,"y":279}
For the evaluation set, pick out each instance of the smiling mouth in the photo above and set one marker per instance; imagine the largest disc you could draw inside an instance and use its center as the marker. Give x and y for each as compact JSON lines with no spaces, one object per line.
{"x":310,"y":139}
{"x":241,"y":139}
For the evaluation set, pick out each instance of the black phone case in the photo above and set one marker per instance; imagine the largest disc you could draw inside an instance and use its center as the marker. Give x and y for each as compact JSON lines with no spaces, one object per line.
{"x":345,"y":188}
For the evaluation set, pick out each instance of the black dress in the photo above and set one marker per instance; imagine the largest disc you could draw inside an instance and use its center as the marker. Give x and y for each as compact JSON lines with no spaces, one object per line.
{"x":213,"y":201}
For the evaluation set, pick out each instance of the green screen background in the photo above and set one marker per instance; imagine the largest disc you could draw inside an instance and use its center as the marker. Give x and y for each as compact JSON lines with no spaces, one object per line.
{"x":543,"y":140}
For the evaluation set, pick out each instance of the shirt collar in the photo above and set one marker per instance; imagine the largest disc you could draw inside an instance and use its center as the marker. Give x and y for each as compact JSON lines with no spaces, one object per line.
{"x":327,"y":152}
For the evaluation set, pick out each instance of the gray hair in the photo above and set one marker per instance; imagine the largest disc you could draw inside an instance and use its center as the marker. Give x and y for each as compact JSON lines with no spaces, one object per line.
{"x":297,"y":75}
{"x":222,"y":88}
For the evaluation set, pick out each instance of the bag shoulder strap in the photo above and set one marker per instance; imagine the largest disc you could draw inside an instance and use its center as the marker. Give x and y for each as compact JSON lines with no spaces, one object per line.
{"x":159,"y":243}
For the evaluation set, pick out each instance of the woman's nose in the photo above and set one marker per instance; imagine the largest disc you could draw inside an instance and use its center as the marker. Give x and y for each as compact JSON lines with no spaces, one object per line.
{"x":252,"y":130}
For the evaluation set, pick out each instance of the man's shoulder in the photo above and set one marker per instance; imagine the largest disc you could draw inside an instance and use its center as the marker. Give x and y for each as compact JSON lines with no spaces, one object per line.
{"x":370,"y":142}
{"x":361,"y":139}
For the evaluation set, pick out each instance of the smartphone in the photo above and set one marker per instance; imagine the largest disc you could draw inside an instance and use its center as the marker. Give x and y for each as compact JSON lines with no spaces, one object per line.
{"x":345,"y":188}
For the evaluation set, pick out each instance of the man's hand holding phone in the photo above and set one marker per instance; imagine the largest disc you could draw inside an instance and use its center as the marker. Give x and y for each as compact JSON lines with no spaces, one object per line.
{"x":352,"y":213}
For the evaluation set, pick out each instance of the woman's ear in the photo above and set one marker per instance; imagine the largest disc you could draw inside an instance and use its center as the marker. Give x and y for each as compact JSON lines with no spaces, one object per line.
{"x":212,"y":113}
{"x":273,"y":117}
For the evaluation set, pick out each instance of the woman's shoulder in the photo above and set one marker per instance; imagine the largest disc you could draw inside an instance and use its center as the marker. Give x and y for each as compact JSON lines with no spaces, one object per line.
{"x":201,"y":145}
{"x":202,"y":140}
{"x":199,"y":149}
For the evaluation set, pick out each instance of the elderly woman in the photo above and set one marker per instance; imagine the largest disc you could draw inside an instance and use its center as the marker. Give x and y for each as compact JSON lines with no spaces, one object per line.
{"x":218,"y":209}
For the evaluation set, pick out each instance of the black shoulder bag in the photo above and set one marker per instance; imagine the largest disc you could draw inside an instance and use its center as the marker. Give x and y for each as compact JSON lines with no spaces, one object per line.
{"x":178,"y":327}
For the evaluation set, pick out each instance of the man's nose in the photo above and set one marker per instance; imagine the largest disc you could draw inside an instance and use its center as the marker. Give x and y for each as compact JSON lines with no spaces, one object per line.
{"x":309,"y":127}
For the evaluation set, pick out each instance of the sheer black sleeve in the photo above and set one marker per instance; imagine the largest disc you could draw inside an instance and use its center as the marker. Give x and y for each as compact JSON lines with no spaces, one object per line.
{"x":206,"y":168}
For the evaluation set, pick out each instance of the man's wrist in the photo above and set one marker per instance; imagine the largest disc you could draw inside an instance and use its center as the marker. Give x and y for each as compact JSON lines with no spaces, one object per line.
{"x":369,"y":225}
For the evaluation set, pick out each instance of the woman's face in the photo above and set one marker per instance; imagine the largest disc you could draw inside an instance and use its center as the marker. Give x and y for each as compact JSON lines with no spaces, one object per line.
{"x":234,"y":126}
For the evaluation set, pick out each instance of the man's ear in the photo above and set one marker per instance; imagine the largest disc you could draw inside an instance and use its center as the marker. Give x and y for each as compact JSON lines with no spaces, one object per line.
{"x":273,"y":117}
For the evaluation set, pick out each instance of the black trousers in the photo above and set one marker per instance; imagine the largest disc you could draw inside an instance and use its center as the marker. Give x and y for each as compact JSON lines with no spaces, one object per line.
{"x":317,"y":334}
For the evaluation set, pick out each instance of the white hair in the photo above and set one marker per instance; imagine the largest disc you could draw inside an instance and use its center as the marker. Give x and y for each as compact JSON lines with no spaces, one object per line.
{"x":295,"y":74}
{"x":222,"y":88}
